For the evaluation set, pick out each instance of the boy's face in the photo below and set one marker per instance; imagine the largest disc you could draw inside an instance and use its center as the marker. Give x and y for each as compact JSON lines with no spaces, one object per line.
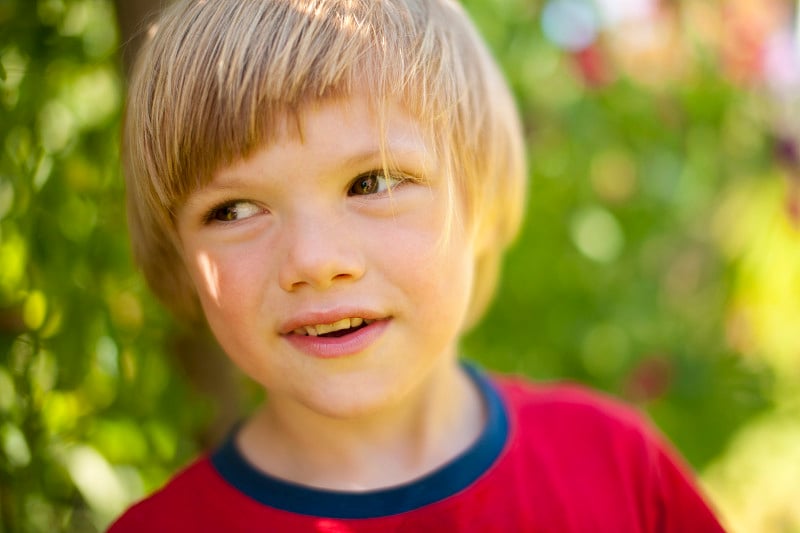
{"x":304,"y":234}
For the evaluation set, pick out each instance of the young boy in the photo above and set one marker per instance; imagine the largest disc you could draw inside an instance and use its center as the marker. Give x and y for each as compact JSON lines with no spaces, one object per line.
{"x":332,"y":184}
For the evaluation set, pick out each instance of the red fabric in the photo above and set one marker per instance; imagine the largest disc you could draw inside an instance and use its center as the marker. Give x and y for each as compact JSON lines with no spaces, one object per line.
{"x":575,"y":462}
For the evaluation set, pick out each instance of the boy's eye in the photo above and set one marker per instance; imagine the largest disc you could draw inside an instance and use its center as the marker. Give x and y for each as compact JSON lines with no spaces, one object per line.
{"x":373,"y":182}
{"x":232,"y":211}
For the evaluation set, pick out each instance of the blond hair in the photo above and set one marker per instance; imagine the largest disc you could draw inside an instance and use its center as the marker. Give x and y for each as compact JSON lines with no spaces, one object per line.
{"x":219,"y":77}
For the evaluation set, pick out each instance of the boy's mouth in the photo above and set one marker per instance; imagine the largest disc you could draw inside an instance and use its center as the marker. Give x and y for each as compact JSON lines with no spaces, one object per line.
{"x":339,"y":328}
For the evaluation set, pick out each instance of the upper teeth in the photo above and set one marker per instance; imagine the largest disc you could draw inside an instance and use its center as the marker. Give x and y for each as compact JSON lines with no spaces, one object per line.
{"x":321,"y":329}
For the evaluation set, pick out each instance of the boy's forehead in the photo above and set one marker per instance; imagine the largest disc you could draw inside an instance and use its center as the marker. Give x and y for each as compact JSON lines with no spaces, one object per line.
{"x":389,"y":117}
{"x":345,"y":131}
{"x":359,"y":124}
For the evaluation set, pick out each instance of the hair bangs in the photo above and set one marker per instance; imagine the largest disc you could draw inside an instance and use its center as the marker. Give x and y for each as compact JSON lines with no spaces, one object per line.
{"x":244,"y":71}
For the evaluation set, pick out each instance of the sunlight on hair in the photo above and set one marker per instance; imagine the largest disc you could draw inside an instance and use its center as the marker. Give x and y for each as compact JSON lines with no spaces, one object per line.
{"x":152,"y":30}
{"x":347,"y":20}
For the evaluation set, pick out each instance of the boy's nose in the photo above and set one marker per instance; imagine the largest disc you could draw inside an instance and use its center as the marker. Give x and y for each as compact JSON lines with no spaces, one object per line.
{"x":319,"y":252}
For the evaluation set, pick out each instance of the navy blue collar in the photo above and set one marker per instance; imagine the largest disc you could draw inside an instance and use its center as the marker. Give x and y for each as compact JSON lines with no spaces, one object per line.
{"x":443,"y":482}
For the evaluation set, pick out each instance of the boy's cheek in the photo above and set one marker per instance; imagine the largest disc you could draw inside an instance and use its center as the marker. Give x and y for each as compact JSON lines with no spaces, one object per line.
{"x":211,"y":281}
{"x":221,"y":282}
{"x":206,"y":277}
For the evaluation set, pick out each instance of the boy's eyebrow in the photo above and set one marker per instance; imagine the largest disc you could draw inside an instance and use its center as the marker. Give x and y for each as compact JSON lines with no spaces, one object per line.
{"x":364,"y":156}
{"x":394,"y":152}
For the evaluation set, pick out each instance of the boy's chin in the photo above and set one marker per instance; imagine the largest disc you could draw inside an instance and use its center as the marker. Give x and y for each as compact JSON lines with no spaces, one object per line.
{"x":353,"y":400}
{"x":353,"y":405}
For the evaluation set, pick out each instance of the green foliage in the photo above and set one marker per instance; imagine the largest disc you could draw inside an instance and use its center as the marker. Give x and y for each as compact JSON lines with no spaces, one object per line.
{"x":619,"y":280}
{"x":86,"y":387}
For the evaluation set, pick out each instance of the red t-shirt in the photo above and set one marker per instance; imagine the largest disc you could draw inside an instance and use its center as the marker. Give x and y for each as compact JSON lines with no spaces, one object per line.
{"x":554,"y":459}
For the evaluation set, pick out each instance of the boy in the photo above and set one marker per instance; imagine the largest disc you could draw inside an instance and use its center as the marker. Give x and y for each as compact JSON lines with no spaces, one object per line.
{"x":332,"y":184}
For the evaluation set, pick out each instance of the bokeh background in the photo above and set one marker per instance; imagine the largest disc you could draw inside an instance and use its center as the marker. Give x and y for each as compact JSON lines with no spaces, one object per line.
{"x":660,"y":261}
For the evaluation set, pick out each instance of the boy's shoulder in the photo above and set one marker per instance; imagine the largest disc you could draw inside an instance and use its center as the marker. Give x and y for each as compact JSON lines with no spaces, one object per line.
{"x":570,"y":425}
{"x":597,"y":459}
{"x":552,"y":400}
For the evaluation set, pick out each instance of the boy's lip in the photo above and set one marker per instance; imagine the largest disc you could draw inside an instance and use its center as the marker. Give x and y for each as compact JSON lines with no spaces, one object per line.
{"x":313,"y":318}
{"x":357,"y":342}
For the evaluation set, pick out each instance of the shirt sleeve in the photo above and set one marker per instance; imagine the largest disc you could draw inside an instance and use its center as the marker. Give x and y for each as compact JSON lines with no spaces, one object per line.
{"x":683,"y":506}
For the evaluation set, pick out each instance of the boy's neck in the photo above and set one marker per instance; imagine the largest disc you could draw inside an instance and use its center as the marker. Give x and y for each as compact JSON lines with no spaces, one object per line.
{"x":439,"y":420}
